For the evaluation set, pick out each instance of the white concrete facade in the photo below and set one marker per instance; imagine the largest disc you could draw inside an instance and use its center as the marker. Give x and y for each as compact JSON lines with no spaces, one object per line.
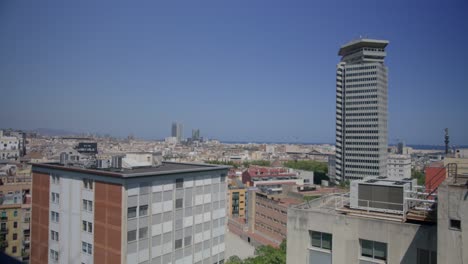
{"x":399,"y":166}
{"x":403,"y":243}
{"x":67,"y":193}
{"x":9,"y":148}
{"x":361,"y":110}
{"x":184,"y":223}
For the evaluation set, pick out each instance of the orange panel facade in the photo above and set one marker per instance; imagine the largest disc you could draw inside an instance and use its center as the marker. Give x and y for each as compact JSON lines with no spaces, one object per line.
{"x":40,"y":218}
{"x":108,"y":223}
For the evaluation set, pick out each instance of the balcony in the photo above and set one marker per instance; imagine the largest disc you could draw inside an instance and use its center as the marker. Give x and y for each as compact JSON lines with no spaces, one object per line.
{"x":3,"y":230}
{"x":3,"y":245}
{"x":3,"y":218}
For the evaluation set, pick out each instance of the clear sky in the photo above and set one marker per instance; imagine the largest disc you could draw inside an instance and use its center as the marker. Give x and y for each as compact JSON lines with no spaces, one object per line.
{"x":238,"y":70}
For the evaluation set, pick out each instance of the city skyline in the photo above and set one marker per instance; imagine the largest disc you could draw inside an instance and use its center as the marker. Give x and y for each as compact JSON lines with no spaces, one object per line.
{"x":239,"y":72}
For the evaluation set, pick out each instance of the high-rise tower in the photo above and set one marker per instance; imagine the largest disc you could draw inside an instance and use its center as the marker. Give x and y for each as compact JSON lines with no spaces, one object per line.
{"x":177,"y":131}
{"x":361,"y":110}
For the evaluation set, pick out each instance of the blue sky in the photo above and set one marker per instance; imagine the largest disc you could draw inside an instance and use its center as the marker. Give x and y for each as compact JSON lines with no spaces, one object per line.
{"x":238,"y":70}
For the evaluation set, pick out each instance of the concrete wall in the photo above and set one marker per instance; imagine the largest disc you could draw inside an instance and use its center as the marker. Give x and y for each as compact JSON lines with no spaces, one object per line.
{"x":402,"y":239}
{"x":452,"y":204}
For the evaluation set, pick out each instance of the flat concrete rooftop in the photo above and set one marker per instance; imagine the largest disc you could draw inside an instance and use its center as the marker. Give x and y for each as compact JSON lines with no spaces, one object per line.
{"x":163,"y":169}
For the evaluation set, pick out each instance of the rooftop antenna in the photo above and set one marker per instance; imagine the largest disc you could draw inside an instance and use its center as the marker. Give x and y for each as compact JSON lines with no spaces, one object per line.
{"x":446,"y":141}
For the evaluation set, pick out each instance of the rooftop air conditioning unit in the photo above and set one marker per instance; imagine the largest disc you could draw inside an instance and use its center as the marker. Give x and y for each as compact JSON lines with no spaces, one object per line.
{"x":380,"y":195}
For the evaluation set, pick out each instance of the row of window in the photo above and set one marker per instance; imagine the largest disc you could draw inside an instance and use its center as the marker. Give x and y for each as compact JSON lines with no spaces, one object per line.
{"x":365,"y":155}
{"x":132,"y":211}
{"x":361,"y":103}
{"x":271,"y":218}
{"x":362,"y":167}
{"x":369,"y":249}
{"x":361,"y":149}
{"x":362,"y":114}
{"x":362,"y":119}
{"x":362,"y":132}
{"x":361,"y":96}
{"x":367,"y":173}
{"x":362,"y":125}
{"x":361,"y":68}
{"x":363,"y":137}
{"x":362,"y":161}
{"x":362,"y":79}
{"x":366,"y":108}
{"x":361,"y":91}
{"x":362,"y":143}
{"x":361,"y":73}
{"x":360,"y":85}
{"x":266,"y":227}
{"x":87,"y":183}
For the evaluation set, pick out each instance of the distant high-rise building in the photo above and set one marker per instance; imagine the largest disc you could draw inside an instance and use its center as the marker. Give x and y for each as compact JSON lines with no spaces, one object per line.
{"x":195,"y":134}
{"x":177,"y":131}
{"x":361,"y":110}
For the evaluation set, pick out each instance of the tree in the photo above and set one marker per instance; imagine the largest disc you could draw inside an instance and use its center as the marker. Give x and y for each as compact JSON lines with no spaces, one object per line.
{"x":264,"y":255}
{"x":419,"y":175}
{"x":234,"y":260}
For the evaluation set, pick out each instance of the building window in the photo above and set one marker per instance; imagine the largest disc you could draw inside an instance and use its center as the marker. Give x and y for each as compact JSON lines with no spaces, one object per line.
{"x":88,"y":184}
{"x":132,"y":212}
{"x":426,"y":257}
{"x":178,"y":243}
{"x":54,"y":255}
{"x":143,"y":210}
{"x":87,"y":205}
{"x":15,"y":224}
{"x":131,"y":235}
{"x":55,"y":198}
{"x":54,"y":235}
{"x":188,"y":240}
{"x":55,"y":179}
{"x":373,"y":249}
{"x":15,"y":236}
{"x":15,"y":213}
{"x":143,"y":233}
{"x":13,"y":249}
{"x":55,"y":217}
{"x":87,"y":226}
{"x":179,"y":203}
{"x":321,"y":240}
{"x":87,"y":248}
{"x":455,"y":224}
{"x":179,"y":183}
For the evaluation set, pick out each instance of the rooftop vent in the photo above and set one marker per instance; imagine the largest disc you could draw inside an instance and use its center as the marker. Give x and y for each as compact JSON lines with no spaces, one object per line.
{"x":371,"y":181}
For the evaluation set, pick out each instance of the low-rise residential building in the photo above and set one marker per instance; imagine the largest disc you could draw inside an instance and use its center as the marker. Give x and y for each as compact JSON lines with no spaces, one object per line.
{"x":256,"y":176}
{"x":267,"y":215}
{"x":236,"y":200}
{"x":399,"y":166}
{"x":15,"y":210}
{"x":163,"y":213}
{"x":9,"y":147}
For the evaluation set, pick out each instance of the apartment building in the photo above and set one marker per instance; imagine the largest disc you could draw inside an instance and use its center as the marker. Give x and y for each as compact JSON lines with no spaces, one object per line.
{"x":399,"y":166}
{"x":268,"y":215}
{"x":164,"y":213}
{"x":236,"y":199}
{"x":15,"y":206}
{"x":380,"y":221}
